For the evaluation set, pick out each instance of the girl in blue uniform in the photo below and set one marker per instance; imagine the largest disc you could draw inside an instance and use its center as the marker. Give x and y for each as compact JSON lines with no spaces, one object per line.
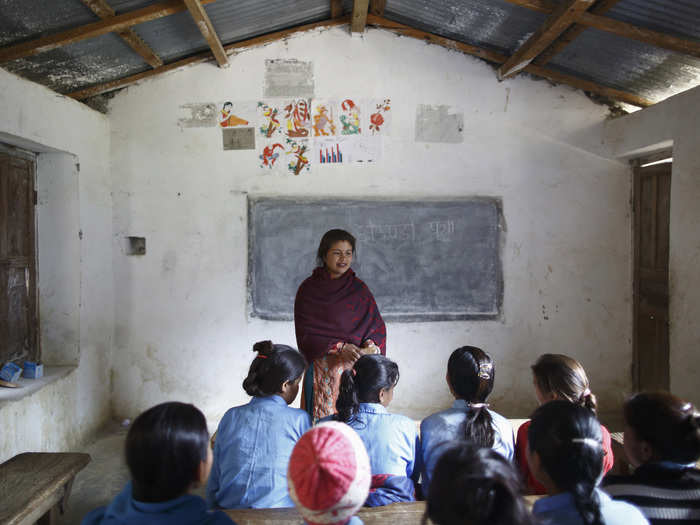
{"x":470,"y":378}
{"x":565,"y":454}
{"x":254,"y":441}
{"x":167,"y":451}
{"x":475,"y":485}
{"x":391,"y":440}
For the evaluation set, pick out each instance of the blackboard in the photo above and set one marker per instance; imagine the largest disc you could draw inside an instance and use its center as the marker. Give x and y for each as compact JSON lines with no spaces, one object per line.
{"x":423,"y":260}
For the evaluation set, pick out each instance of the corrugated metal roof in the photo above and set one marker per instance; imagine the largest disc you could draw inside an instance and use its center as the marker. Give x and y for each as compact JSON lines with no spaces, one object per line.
{"x":604,"y":58}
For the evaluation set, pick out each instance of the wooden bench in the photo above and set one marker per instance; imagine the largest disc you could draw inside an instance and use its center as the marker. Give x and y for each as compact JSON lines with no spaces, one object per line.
{"x":34,"y":486}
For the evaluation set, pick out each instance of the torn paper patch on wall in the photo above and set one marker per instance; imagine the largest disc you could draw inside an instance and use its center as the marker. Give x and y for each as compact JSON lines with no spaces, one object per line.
{"x":439,"y":124}
{"x":198,"y":115}
{"x":288,"y":78}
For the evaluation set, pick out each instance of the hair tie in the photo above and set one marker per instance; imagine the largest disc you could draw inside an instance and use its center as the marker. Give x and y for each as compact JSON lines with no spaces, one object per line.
{"x":586,"y":393}
{"x":485,"y":370}
{"x":261,"y":356}
{"x":478,"y":405}
{"x":588,"y":441}
{"x":353,"y":371}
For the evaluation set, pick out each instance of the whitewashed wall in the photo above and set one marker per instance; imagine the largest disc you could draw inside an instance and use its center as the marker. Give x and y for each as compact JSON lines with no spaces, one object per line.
{"x":76,"y":300}
{"x":182,"y":330}
{"x":674,"y":121}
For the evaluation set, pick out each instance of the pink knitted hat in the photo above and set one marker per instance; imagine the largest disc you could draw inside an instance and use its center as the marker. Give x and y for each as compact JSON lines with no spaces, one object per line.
{"x":329,"y":474}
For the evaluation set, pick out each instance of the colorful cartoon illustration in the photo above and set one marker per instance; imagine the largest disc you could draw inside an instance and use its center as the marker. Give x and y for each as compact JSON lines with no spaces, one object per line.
{"x":269,"y":157}
{"x":227,"y":119}
{"x":299,"y":160}
{"x":323,"y":120}
{"x":297,"y":118}
{"x":270,"y":121}
{"x":376,"y":119}
{"x":350,"y":118}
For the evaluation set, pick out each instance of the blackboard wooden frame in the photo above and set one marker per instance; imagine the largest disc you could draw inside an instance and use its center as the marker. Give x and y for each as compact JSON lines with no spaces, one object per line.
{"x":472,"y":231}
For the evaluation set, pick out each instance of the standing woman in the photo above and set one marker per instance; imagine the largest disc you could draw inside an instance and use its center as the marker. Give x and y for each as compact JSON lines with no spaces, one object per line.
{"x":336,"y":320}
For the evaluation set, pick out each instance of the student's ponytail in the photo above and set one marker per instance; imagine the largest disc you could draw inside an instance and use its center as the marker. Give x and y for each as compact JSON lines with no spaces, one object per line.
{"x":669,"y":424}
{"x":565,"y":377}
{"x":477,"y":486}
{"x":362,"y":384}
{"x":471,"y":374}
{"x":271,"y":368}
{"x":568,"y":440}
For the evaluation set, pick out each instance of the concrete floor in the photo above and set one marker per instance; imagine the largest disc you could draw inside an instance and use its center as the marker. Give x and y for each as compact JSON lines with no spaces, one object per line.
{"x":103,"y":478}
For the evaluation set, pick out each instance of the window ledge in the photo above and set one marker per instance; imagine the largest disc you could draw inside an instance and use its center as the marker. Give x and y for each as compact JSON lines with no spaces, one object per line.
{"x":27,"y":387}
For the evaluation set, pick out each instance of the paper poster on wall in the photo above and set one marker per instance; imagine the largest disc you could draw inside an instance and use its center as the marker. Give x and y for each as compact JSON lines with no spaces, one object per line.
{"x":363,"y":149}
{"x":232,"y":114}
{"x":324,"y":116}
{"x":329,"y":151}
{"x":285,"y":156}
{"x":298,"y":155}
{"x":271,"y":155}
{"x":269,"y":117}
{"x":238,"y":138}
{"x":297,"y":118}
{"x":350,"y":117}
{"x":379,"y":117}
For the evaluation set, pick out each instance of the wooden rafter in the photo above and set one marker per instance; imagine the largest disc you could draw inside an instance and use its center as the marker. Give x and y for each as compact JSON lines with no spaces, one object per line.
{"x":600,"y":8}
{"x":610,"y":25}
{"x":499,"y":58}
{"x":377,"y":7}
{"x":108,"y":25}
{"x":336,"y":8}
{"x":102,"y":9}
{"x":359,"y":16}
{"x":558,"y":22}
{"x":203,"y":57}
{"x":208,"y":32}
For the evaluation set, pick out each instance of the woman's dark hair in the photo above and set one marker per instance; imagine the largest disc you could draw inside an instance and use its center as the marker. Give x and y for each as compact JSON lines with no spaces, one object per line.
{"x":329,"y":238}
{"x":471,"y":374}
{"x":564,"y":376}
{"x":362,"y":383}
{"x":274,"y":365}
{"x":568,"y":440}
{"x":477,"y":486}
{"x":670,"y":425}
{"x":164,"y":448}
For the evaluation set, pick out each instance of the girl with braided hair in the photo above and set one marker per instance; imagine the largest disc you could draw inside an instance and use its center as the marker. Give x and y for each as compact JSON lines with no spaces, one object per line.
{"x":565,"y":454}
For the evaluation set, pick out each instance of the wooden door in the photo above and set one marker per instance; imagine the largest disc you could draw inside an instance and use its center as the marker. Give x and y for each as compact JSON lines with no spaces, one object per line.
{"x":652,"y":198}
{"x":18,"y":305}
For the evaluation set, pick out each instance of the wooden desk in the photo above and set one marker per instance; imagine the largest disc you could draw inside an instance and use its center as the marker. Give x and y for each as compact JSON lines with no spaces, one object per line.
{"x":34,"y":486}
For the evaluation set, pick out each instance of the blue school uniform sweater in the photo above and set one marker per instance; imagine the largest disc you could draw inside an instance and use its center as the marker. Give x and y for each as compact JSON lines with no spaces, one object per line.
{"x":561,"y":510}
{"x":391,"y":441}
{"x":438,"y":430}
{"x":253,"y":445}
{"x":185,"y":510}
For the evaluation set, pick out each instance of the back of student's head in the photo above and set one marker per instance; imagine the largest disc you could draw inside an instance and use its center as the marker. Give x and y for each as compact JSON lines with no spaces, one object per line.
{"x":471,"y":374}
{"x":564,"y":376}
{"x":273,"y":365}
{"x":668,"y":424}
{"x":568,"y":440}
{"x":363,"y":382}
{"x":164,"y":449}
{"x":475,"y":486}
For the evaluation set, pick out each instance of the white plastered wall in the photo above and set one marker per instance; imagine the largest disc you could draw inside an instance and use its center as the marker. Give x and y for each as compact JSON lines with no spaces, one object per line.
{"x":182,"y":330}
{"x":76,"y":287}
{"x":674,"y":122}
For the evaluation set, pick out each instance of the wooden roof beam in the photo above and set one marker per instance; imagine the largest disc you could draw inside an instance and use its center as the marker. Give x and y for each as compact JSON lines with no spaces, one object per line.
{"x":498,"y":58}
{"x":377,"y":7}
{"x":558,"y":22}
{"x":336,"y":8}
{"x":102,"y":9}
{"x":208,"y":32}
{"x":616,"y":27}
{"x":108,"y":25}
{"x":600,"y":8}
{"x":359,"y":16}
{"x":206,"y":56}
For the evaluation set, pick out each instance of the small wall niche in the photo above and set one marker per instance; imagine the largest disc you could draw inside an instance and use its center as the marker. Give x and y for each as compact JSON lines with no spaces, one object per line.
{"x":135,"y":246}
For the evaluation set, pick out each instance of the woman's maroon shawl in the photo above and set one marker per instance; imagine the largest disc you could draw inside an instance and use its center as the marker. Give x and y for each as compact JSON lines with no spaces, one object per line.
{"x":327,"y":311}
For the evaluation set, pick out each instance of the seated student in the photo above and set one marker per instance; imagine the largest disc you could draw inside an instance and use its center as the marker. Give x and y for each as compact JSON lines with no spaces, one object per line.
{"x":662,"y":442}
{"x":566,"y":455}
{"x":556,"y":376}
{"x":167,"y":451}
{"x":477,"y":486}
{"x":329,"y":475}
{"x":391,"y":440}
{"x":470,"y":377}
{"x":254,"y":441}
